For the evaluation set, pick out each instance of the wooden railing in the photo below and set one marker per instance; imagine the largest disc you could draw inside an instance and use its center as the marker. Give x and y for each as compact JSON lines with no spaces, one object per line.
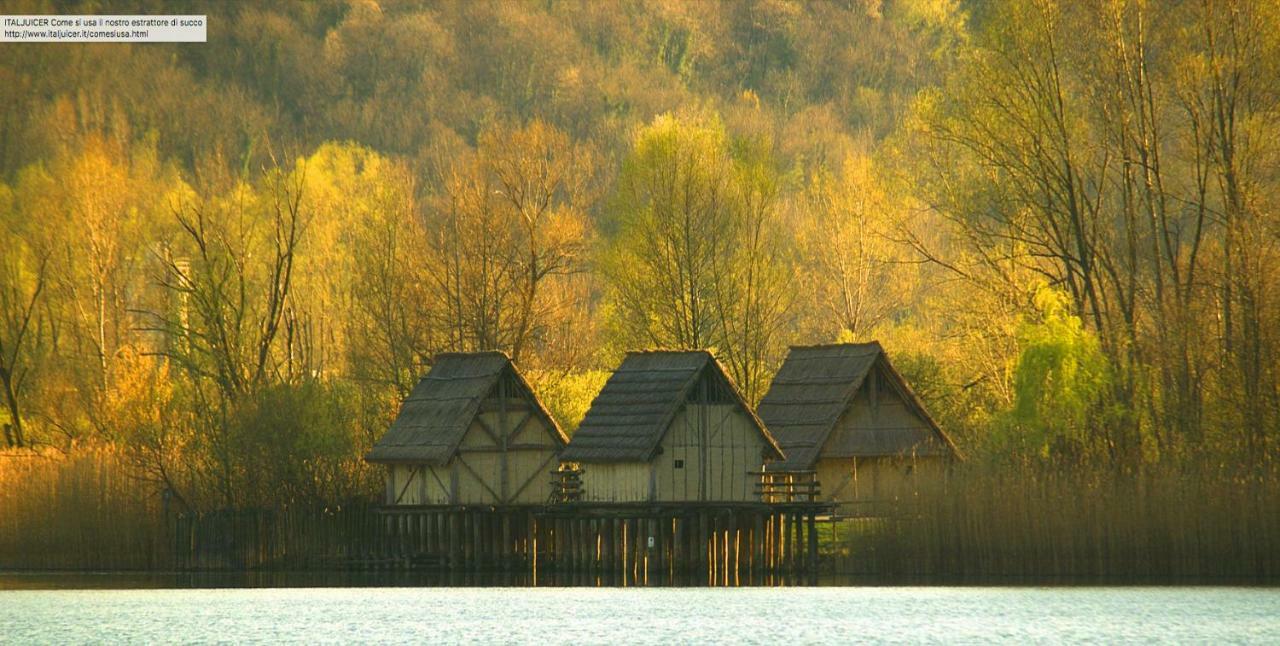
{"x":782,"y":487}
{"x":566,"y":485}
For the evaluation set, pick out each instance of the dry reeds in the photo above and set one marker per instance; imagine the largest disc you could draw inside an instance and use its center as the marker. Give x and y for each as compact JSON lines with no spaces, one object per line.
{"x":78,"y":512}
{"x":986,"y":524}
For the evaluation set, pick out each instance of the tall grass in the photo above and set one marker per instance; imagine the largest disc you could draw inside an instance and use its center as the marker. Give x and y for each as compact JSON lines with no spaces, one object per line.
{"x":86,"y":511}
{"x":78,"y":512}
{"x":1201,"y":525}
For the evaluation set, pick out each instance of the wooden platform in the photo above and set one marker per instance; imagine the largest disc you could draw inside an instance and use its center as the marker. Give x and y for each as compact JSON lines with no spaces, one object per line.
{"x":622,"y":542}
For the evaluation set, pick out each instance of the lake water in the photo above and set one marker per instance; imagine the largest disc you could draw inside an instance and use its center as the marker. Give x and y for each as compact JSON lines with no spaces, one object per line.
{"x":610,"y":615}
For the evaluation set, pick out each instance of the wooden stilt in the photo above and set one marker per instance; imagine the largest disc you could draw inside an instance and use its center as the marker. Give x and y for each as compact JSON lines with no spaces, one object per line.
{"x":735,"y":548}
{"x":757,"y":543}
{"x":813,"y":549}
{"x":455,"y":540}
{"x":619,"y":540}
{"x":788,"y":531}
{"x":507,"y":548}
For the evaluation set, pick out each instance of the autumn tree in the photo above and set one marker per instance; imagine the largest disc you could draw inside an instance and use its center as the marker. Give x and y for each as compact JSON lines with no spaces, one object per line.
{"x":24,"y":273}
{"x":509,"y":224}
{"x":695,"y":260}
{"x":852,"y":256}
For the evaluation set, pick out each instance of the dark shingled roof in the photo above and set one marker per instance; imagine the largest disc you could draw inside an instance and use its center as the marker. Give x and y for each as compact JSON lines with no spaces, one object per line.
{"x":814,"y":388}
{"x":436,"y":415}
{"x":631,"y":415}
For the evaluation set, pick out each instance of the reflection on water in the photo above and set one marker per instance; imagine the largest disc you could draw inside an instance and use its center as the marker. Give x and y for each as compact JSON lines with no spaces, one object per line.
{"x":66,"y":580}
{"x":379,"y":579}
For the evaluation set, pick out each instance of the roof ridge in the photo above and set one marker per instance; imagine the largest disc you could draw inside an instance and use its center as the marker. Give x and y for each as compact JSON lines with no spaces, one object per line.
{"x":645,"y":351}
{"x":479,"y":353}
{"x":816,"y":346}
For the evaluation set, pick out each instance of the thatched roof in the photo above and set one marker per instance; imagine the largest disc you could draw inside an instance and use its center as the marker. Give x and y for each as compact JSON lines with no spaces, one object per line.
{"x":813,"y":390}
{"x":436,"y":415}
{"x":631,"y":415}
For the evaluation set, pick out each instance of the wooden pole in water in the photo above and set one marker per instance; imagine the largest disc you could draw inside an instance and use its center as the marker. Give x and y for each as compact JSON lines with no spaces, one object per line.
{"x":757,"y":534}
{"x":606,"y":546}
{"x":657,"y":559}
{"x":530,"y":540}
{"x":735,"y":549}
{"x":619,"y":549}
{"x":457,"y":530}
{"x":786,"y":540}
{"x":629,"y":549}
{"x":479,"y":542}
{"x":770,"y":542}
{"x":680,"y":546}
{"x":507,"y":548}
{"x":556,"y":541}
{"x":637,"y":551}
{"x":583,"y":541}
{"x":703,"y":535}
{"x":813,"y":548}
{"x":797,"y":545}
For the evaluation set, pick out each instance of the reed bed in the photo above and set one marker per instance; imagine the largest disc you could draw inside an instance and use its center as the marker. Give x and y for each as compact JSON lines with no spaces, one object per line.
{"x":1037,"y":525}
{"x":81,"y":511}
{"x":87,"y":511}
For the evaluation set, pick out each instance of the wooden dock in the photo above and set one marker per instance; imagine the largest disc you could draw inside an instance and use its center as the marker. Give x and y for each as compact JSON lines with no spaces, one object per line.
{"x":627,"y":543}
{"x":768,"y":541}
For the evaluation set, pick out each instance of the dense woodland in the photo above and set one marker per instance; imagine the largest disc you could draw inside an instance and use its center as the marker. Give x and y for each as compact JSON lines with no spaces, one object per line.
{"x":223,"y":265}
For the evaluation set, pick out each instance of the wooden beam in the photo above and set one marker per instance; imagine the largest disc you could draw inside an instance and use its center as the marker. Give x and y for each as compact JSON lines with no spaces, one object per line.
{"x":412,"y":474}
{"x":488,"y":430}
{"x":519,"y":426}
{"x":510,"y":447}
{"x":478,"y":478}
{"x":453,"y":482}
{"x":440,"y":482}
{"x":537,"y":473}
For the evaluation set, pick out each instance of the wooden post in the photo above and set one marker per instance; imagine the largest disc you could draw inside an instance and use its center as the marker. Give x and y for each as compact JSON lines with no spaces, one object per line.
{"x":455,"y":540}
{"x":701,"y":537}
{"x":717,"y":528}
{"x":666,"y":535}
{"x":767,"y":543}
{"x":726,"y":544}
{"x":507,"y":548}
{"x":580,"y":545}
{"x":634,"y":553}
{"x":798,"y":544}
{"x":777,"y":542}
{"x":786,"y":540}
{"x":476,"y":542}
{"x":531,"y":540}
{"x":428,"y":533}
{"x":679,"y":545}
{"x":651,"y":554}
{"x":531,"y":544}
{"x":558,"y":530}
{"x":495,"y":538}
{"x":757,"y":543}
{"x":617,"y":559}
{"x":813,"y":548}
{"x":735,"y":547}
{"x":624,"y":547}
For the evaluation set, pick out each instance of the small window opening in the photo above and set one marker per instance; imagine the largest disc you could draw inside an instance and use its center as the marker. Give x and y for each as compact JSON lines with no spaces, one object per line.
{"x":679,"y":464}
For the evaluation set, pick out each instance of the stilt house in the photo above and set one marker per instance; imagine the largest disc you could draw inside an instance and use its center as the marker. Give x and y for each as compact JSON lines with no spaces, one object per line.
{"x":472,"y":432}
{"x":844,"y":412}
{"x":670,"y":426}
